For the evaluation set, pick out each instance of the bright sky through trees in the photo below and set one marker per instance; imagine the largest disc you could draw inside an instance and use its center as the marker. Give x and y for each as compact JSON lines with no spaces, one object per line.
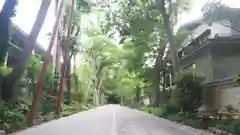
{"x":27,"y":12}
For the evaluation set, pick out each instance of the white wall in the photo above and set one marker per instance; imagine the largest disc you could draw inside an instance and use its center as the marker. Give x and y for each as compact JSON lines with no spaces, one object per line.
{"x":229,"y":96}
{"x":219,"y":97}
{"x":215,"y":28}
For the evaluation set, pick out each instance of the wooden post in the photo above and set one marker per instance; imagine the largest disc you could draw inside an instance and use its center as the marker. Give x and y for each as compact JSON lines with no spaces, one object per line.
{"x":33,"y":109}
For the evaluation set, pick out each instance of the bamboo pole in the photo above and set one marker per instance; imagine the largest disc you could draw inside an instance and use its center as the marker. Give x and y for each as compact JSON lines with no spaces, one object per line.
{"x":33,"y":109}
{"x":63,"y":68}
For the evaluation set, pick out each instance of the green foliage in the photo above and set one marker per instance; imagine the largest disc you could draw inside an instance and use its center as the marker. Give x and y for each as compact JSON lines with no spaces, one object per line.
{"x":190,"y":85}
{"x":5,"y":70}
{"x":195,"y":123}
{"x":142,"y":32}
{"x":112,"y":98}
{"x":33,"y":71}
{"x":83,"y":5}
{"x":190,"y":121}
{"x":48,"y":98}
{"x":34,"y":68}
{"x":12,"y":116}
{"x":216,"y":11}
{"x":104,"y":69}
{"x":175,"y":117}
{"x":232,"y":126}
{"x":73,"y":108}
{"x":80,"y":96}
{"x":237,"y":79}
{"x":162,"y":111}
{"x":175,"y":99}
{"x":155,"y":111}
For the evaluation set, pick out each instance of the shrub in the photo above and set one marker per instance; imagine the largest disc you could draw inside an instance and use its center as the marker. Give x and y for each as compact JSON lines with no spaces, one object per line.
{"x":5,"y":70}
{"x":158,"y":111}
{"x":190,"y":86}
{"x":176,"y":117}
{"x":196,"y":123}
{"x":33,"y":71}
{"x":171,"y":109}
{"x":73,"y":108}
{"x":237,"y":79}
{"x":12,"y":116}
{"x":232,"y":126}
{"x":80,"y":96}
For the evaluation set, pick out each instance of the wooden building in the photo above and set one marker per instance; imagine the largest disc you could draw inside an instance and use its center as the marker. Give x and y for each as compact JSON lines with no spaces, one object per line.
{"x":18,"y":40}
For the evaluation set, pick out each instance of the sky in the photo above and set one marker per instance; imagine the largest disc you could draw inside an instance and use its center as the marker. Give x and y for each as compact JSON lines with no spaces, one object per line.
{"x":195,"y":12}
{"x":27,"y":12}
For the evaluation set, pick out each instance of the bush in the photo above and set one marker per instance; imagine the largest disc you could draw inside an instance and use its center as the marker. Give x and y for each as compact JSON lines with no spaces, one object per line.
{"x":5,"y":70}
{"x":232,"y":126}
{"x":176,"y":117}
{"x":175,"y":99}
{"x":190,"y":85}
{"x":237,"y":79}
{"x":33,"y":71}
{"x":155,"y":111}
{"x":12,"y":116}
{"x":73,"y":108}
{"x":171,"y":109}
{"x":190,"y":121}
{"x":80,"y":96}
{"x":196,"y":123}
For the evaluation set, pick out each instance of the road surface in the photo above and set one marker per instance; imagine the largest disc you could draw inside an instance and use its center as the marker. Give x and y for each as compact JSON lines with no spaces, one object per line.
{"x":109,"y":120}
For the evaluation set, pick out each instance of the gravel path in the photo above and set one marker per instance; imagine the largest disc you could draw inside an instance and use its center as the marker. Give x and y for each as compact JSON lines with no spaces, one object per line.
{"x":110,"y":120}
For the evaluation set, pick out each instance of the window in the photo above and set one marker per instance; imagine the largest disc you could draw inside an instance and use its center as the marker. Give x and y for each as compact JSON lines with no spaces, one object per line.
{"x":168,"y":80}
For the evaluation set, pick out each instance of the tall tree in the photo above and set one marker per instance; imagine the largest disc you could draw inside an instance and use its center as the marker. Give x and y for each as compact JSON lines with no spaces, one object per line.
{"x":169,"y":11}
{"x":20,"y":67}
{"x":6,"y":14}
{"x":143,"y":36}
{"x":83,"y":7}
{"x":169,"y":32}
{"x":219,"y":13}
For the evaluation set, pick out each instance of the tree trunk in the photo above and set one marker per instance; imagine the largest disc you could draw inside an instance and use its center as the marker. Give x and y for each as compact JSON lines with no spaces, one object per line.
{"x":67,"y":59}
{"x":68,"y":81}
{"x":169,"y":34}
{"x":57,"y":62}
{"x":18,"y":71}
{"x":5,"y":20}
{"x":99,"y":85}
{"x":163,"y":85}
{"x":156,"y":81}
{"x":138,"y":94}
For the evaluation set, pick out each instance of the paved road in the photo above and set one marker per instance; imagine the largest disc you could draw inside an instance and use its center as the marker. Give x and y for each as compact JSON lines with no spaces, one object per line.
{"x":109,"y":120}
